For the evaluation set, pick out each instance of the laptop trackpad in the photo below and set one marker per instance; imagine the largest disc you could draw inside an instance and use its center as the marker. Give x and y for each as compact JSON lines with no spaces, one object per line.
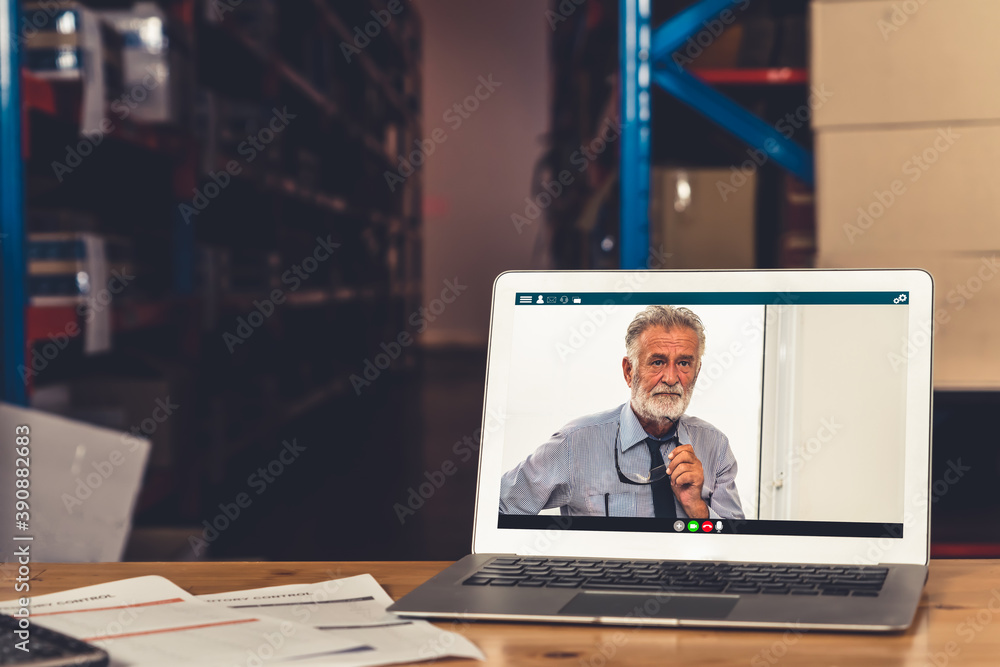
{"x":649,"y":605}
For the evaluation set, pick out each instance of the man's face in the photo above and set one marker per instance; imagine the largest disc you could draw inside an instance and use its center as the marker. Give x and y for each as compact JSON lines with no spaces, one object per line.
{"x":663,"y":377}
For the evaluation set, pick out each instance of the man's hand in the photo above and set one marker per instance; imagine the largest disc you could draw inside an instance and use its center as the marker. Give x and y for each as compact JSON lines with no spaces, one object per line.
{"x":686,"y":479}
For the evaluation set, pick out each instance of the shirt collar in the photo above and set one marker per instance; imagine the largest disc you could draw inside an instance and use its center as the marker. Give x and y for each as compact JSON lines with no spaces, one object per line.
{"x":632,"y":433}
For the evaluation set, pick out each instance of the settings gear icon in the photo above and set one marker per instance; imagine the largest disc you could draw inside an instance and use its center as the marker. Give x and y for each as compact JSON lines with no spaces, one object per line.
{"x":900,"y":299}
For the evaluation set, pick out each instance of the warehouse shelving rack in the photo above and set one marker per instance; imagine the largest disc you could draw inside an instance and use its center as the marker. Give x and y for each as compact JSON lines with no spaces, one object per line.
{"x":366,"y":299}
{"x":12,"y":237}
{"x":645,"y":59}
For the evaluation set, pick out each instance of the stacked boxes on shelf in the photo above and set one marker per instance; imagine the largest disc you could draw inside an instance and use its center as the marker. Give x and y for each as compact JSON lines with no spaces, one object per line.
{"x":698,"y":228}
{"x":320,"y":176}
{"x":907,"y":139}
{"x":67,"y":41}
{"x":151,"y":82}
{"x":65,"y":267}
{"x":82,"y":270}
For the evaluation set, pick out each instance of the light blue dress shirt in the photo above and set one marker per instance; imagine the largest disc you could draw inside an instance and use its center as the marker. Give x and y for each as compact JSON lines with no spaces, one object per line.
{"x":575,"y":469}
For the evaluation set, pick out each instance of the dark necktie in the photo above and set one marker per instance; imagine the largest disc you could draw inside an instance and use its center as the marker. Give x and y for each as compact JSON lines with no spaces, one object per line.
{"x":663,"y":497}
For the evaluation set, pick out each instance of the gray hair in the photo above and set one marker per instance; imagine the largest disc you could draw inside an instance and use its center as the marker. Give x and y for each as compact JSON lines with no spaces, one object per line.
{"x":667,"y":317}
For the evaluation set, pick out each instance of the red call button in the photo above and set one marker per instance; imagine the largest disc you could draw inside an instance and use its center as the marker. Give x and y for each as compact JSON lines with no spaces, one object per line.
{"x":707,"y":526}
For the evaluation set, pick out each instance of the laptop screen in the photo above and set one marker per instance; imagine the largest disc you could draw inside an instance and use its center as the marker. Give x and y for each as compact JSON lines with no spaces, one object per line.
{"x":705,"y":414}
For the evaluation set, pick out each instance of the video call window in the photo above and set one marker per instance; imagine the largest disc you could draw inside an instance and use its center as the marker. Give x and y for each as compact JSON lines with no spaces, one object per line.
{"x":793,"y":411}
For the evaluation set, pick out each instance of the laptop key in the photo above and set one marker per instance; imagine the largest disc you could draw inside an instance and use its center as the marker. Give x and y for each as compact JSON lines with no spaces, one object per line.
{"x":836,"y":591}
{"x":865,"y":594}
{"x":504,"y":582}
{"x":863,"y":583}
{"x":532,"y":583}
{"x":803,"y":591}
{"x":504,"y":561}
{"x":743,"y":589}
{"x":712,"y":588}
{"x":644,"y":575}
{"x":477,"y":581}
{"x":622,"y":587}
{"x":563,"y":584}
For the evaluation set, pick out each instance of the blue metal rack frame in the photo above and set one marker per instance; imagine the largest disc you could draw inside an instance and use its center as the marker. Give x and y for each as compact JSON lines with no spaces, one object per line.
{"x":646,"y":56}
{"x":12,"y":240}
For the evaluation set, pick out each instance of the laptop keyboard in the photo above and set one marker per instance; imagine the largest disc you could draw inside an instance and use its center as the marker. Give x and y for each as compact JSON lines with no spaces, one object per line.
{"x":674,"y":576}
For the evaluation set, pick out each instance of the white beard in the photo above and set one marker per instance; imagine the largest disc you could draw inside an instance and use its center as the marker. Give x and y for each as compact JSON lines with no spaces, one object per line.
{"x":662,"y":406}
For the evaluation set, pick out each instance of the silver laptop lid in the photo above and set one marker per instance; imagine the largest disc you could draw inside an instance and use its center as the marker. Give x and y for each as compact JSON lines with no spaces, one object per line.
{"x":806,"y":417}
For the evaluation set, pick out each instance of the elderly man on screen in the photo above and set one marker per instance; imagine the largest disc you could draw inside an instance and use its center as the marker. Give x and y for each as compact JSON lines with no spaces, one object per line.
{"x":645,"y":458}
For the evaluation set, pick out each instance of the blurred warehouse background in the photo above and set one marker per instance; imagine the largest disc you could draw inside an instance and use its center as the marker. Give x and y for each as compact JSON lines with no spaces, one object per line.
{"x":263,"y":234}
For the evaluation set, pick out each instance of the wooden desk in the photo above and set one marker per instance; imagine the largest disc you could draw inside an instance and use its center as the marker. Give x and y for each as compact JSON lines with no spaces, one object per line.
{"x":960,"y":613}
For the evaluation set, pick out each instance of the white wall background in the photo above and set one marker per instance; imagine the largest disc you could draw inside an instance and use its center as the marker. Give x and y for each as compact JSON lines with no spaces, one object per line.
{"x":480,"y":176}
{"x":836,"y":431}
{"x":566,"y":362}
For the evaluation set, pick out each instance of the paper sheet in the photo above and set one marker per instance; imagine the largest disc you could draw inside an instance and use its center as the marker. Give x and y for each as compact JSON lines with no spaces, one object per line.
{"x":150,"y":621}
{"x":353,"y":608}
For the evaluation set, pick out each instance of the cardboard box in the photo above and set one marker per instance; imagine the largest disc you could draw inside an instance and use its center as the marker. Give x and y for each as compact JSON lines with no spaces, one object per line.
{"x":67,"y":41}
{"x":153,"y":408}
{"x":703,"y":218}
{"x":908,"y":189}
{"x":906,"y":61}
{"x":966,"y":311}
{"x":149,"y":95}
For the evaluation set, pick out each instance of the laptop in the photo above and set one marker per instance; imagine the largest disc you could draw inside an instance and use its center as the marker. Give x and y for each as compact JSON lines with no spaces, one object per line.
{"x":701,"y":448}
